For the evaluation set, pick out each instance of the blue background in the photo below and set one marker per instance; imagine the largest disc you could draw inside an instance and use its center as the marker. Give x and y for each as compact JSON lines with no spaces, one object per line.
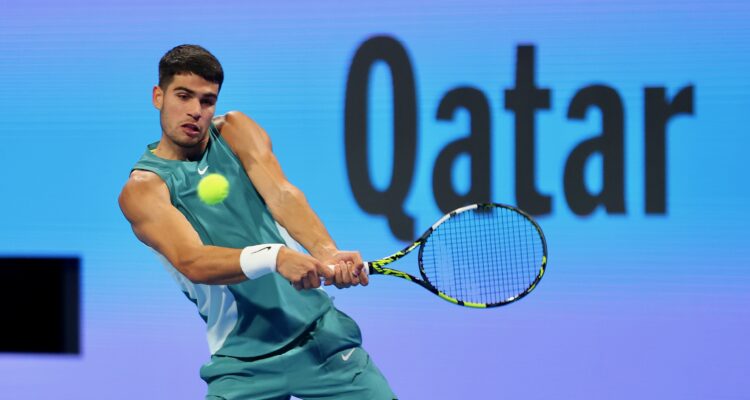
{"x":632,"y":306}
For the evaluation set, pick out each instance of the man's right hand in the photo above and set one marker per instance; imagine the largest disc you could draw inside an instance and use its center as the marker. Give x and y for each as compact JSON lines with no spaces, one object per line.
{"x":301,"y":270}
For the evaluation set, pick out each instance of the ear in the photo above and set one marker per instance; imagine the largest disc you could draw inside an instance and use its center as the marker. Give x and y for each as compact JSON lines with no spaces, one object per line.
{"x":157,"y":97}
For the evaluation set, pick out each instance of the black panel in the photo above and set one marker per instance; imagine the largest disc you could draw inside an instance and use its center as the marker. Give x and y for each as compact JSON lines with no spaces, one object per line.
{"x":40,"y":299}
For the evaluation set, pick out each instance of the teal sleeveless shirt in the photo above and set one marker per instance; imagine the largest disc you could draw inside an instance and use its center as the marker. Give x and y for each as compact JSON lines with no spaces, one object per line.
{"x":254,"y":317}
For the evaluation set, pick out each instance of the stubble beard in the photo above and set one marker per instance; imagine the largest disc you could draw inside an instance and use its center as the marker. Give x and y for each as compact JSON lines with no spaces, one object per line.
{"x":176,"y":137}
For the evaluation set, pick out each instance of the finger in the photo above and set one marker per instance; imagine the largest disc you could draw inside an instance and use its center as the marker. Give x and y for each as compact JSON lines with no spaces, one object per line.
{"x":297,"y":285}
{"x":332,"y":279}
{"x":364,"y":277}
{"x":346,"y":274}
{"x":358,"y":262}
{"x":354,"y":257}
{"x":314,"y":280}
{"x":325,"y":271}
{"x":352,"y":273}
{"x":339,"y":275}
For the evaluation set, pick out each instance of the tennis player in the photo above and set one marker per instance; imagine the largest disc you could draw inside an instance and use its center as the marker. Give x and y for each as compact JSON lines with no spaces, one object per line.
{"x":272,"y":331}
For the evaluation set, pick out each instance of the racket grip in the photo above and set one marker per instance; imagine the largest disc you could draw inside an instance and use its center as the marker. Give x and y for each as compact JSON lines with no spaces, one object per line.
{"x":366,"y":267}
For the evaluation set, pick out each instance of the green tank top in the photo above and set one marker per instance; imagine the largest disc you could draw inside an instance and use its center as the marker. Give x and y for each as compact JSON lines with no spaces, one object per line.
{"x":254,"y":317}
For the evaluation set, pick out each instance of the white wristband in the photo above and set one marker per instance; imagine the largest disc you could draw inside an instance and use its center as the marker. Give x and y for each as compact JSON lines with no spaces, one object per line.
{"x":259,"y":260}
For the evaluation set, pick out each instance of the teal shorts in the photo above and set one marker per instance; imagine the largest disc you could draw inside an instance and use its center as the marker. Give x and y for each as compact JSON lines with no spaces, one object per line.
{"x":328,"y":362}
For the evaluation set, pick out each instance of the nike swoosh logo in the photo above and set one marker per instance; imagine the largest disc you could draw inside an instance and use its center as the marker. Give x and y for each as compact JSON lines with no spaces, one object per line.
{"x":202,"y":171}
{"x":262,"y":249}
{"x":346,"y":356}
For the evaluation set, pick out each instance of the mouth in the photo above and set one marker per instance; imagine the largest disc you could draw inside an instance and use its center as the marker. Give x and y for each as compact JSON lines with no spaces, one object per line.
{"x":191,"y":129}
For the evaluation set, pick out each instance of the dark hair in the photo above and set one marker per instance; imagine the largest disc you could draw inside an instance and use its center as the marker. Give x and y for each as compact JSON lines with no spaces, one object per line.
{"x":186,"y":59}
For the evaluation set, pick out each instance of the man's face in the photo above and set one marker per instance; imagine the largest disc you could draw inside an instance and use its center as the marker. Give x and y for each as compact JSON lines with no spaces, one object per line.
{"x":187,"y":107}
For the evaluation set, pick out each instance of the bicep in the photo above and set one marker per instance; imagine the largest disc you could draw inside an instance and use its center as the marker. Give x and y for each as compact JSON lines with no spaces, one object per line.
{"x":168,"y":232}
{"x":158,"y":224}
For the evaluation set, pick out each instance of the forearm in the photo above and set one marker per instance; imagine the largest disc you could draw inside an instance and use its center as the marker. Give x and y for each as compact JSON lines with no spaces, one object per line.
{"x":211,"y":265}
{"x":294,"y":213}
{"x":215,"y":265}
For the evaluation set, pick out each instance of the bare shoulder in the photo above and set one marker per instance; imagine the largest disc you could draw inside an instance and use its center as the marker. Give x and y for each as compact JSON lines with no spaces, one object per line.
{"x":243,"y":134}
{"x":219,"y":121}
{"x":238,"y":118}
{"x":140,"y":193}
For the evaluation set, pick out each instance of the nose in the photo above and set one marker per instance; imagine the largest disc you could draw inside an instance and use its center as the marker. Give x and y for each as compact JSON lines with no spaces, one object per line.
{"x":194,"y":109}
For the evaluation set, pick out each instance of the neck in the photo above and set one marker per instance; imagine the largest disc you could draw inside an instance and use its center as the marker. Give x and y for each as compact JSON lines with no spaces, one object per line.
{"x":172,"y":151}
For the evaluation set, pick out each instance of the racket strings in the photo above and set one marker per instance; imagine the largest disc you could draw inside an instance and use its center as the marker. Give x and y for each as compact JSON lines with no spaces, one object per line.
{"x":487,"y":255}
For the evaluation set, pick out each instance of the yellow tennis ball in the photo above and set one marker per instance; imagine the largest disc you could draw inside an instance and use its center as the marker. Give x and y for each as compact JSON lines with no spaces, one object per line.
{"x":213,"y":189}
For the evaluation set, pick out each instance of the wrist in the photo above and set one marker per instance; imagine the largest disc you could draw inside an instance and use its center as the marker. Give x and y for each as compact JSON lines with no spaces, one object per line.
{"x":259,"y":260}
{"x":324,"y":251}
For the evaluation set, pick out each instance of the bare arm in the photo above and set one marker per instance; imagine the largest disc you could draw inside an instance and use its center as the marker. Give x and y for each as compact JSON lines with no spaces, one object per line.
{"x":157,"y":223}
{"x":286,"y":203}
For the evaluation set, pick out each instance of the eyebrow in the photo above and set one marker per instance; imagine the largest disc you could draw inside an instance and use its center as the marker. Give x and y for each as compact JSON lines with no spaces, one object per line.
{"x":192,"y":92}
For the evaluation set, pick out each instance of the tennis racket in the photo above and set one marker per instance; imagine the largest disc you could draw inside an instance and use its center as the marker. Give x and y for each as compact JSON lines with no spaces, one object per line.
{"x":481,"y":255}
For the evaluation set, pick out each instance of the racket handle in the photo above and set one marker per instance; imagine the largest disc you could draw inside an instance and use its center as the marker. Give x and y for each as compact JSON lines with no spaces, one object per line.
{"x":322,"y":277}
{"x":366,"y":267}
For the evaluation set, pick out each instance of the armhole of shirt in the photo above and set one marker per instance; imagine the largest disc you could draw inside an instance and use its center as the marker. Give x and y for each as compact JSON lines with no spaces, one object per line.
{"x":163,"y":175}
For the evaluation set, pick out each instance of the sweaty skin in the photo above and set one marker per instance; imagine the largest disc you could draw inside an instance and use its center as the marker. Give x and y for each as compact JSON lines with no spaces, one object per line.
{"x":187,"y":106}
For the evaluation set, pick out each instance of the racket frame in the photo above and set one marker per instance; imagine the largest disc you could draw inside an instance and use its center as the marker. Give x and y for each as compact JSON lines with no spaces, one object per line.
{"x":377,"y":267}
